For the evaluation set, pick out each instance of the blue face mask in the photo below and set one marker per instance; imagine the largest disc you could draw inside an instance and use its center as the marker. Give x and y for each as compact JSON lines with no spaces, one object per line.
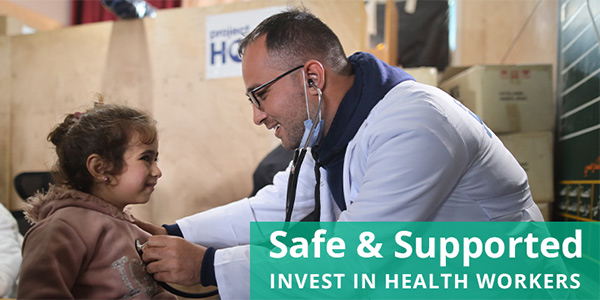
{"x":313,"y":138}
{"x":312,"y":131}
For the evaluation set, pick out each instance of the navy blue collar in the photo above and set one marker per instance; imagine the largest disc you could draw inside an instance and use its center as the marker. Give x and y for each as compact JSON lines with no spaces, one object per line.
{"x":373,"y":80}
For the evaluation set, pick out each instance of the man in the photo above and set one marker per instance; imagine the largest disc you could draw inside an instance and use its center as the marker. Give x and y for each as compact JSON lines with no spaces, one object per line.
{"x":387,"y":149}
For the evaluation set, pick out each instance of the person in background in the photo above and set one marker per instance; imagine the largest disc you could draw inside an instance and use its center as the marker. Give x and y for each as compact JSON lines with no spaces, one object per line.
{"x":377,"y":147}
{"x":82,"y":245}
{"x":10,"y":253}
{"x":276,"y":161}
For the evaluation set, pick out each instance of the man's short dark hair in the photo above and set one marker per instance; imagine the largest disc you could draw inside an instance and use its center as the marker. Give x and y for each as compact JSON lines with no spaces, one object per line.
{"x":295,"y":36}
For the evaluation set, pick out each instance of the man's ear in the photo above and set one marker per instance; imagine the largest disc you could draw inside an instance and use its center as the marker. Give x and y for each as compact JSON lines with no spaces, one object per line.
{"x":97,"y":167}
{"x":316,"y":74}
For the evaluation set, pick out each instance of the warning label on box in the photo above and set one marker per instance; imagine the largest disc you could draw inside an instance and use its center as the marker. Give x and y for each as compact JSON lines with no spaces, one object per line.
{"x":512,"y":96}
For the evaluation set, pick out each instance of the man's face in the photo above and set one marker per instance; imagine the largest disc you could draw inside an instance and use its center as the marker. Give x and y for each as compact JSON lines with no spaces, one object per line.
{"x":282,"y":103}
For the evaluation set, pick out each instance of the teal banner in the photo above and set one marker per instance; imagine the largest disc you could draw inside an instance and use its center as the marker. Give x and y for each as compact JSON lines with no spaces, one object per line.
{"x":425,"y":260}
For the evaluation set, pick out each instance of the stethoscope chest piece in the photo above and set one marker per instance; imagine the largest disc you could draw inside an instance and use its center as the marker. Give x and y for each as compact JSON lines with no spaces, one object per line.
{"x":139,"y":247}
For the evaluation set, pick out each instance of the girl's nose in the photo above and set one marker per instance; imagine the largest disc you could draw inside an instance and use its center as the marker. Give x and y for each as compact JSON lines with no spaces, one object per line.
{"x":156,"y":172}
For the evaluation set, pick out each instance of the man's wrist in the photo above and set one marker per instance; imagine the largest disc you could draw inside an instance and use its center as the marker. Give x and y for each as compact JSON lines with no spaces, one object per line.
{"x":173,"y":229}
{"x":207,"y":271}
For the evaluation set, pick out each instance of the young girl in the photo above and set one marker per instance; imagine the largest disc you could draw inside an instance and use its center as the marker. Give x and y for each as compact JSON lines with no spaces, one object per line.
{"x":82,"y":245}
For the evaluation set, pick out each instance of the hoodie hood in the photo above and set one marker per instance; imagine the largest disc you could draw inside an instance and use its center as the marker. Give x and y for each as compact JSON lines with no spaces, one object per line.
{"x":373,"y":80}
{"x":41,"y":206}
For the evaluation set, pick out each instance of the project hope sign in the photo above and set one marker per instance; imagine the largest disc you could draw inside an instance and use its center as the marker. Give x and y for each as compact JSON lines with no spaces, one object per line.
{"x":418,"y":260}
{"x":224,"y":32}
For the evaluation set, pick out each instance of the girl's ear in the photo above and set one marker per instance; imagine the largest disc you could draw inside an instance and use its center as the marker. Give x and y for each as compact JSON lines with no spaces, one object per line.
{"x":97,"y":167}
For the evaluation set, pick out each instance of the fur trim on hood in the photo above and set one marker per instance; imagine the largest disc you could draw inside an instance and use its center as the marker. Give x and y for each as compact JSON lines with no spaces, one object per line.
{"x":41,"y":206}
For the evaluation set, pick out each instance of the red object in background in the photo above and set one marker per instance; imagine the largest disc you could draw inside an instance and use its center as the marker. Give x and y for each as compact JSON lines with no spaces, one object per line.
{"x":90,"y":11}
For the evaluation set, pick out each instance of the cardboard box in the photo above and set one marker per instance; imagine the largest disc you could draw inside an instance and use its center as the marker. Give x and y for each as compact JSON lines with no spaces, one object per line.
{"x":533,"y":150}
{"x":508,"y":98}
{"x":424,"y":75}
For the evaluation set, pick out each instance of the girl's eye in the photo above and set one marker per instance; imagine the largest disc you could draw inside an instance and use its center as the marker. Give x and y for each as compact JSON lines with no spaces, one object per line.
{"x":149,"y":156}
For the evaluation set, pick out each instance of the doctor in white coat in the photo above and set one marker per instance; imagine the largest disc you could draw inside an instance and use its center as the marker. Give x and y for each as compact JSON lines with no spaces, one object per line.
{"x":378,"y":146}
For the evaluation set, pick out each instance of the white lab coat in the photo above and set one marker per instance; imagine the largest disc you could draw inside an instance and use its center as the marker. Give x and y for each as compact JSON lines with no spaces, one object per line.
{"x":10,"y":253}
{"x":419,"y":156}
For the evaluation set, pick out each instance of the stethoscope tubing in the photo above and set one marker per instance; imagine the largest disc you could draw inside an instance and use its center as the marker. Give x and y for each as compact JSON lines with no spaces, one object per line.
{"x":299,"y":155}
{"x":290,"y":200}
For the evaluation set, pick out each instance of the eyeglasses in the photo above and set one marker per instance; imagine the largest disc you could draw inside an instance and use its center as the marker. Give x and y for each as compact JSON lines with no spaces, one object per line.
{"x":252,"y":93}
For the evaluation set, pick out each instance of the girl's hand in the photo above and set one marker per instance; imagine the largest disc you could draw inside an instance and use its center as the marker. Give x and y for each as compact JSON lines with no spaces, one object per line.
{"x":149,"y":227}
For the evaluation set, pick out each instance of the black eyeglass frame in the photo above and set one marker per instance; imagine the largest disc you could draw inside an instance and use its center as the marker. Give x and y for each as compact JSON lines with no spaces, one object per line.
{"x":252,"y":93}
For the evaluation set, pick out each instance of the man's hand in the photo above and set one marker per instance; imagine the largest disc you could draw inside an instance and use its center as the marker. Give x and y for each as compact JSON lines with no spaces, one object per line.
{"x":149,"y":227}
{"x":173,"y":259}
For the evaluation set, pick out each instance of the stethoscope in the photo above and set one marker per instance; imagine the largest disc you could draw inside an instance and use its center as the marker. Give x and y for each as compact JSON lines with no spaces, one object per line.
{"x":140,"y":250}
{"x":299,"y":155}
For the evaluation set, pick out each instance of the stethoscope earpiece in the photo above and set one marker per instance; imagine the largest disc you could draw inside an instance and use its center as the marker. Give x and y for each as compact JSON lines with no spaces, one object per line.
{"x":299,"y":155}
{"x":312,"y":84}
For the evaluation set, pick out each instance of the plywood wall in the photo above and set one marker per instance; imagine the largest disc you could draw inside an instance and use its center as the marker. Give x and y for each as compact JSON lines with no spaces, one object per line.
{"x":5,"y":178}
{"x":209,"y":145}
{"x":53,"y":73}
{"x":56,"y":11}
{"x":29,"y":17}
{"x":486,"y":29}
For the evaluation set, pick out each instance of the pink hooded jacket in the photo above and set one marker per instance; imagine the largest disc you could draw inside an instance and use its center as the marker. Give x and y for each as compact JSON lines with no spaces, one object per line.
{"x":82,"y":247}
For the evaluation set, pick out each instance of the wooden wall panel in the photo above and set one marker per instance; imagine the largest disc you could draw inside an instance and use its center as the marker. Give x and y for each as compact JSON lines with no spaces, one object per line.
{"x":209,"y":145}
{"x":27,"y":16}
{"x":347,"y":18}
{"x":5,"y":87}
{"x":53,"y":73}
{"x":10,"y":26}
{"x":200,"y":3}
{"x":485,"y":31}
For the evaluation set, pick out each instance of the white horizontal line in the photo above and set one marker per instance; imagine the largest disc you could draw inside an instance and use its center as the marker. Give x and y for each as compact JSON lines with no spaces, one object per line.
{"x":575,"y":110}
{"x":579,"y":59}
{"x":573,"y":17}
{"x":582,"y":81}
{"x":565,"y":48}
{"x":580,"y":132}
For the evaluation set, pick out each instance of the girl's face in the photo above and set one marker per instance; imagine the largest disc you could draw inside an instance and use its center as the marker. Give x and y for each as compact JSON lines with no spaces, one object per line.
{"x":140,"y":174}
